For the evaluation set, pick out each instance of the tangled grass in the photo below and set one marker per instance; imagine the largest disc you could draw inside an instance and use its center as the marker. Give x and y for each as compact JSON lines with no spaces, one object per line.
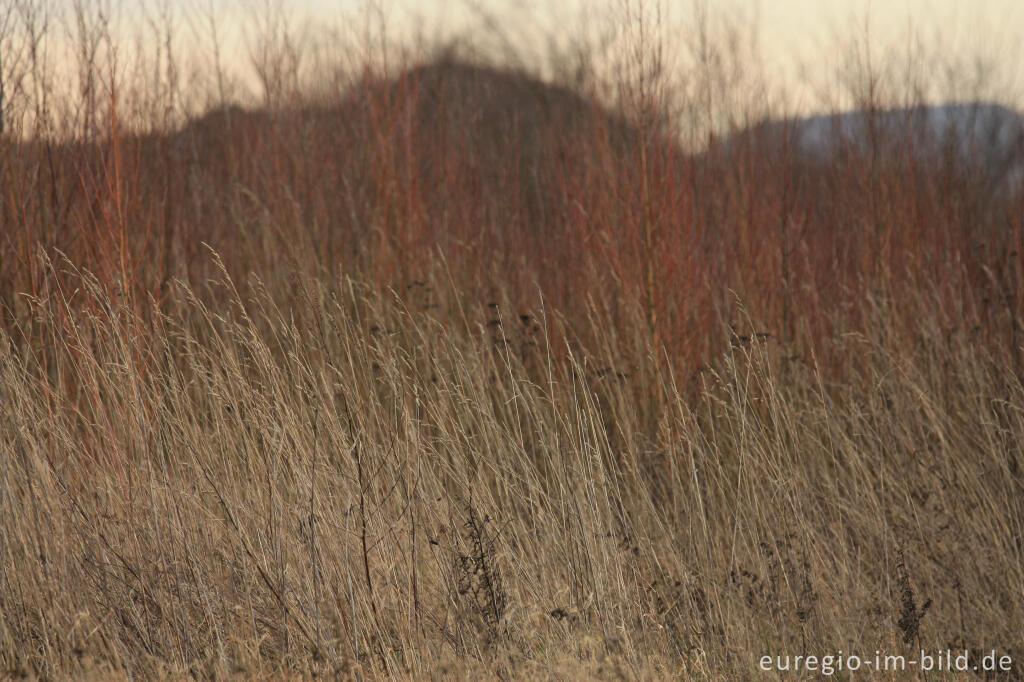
{"x":397,"y":485}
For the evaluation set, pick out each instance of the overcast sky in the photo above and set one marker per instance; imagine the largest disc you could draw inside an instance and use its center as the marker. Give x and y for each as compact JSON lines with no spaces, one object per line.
{"x":809,"y":49}
{"x":801,"y":42}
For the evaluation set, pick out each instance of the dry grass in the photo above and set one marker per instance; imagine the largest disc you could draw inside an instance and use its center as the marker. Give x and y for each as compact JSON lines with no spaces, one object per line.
{"x":445,"y":371}
{"x":354,"y":484}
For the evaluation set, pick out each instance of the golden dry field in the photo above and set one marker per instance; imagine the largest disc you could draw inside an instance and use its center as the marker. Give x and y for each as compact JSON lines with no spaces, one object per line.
{"x":446,"y":367}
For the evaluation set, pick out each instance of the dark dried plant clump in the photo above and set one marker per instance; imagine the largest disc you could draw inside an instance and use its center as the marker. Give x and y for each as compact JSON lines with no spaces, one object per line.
{"x":910,"y":616}
{"x":479,"y":578}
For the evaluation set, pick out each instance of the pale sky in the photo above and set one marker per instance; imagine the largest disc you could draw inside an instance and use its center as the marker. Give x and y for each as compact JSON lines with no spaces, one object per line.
{"x":800,"y":56}
{"x":802,"y":43}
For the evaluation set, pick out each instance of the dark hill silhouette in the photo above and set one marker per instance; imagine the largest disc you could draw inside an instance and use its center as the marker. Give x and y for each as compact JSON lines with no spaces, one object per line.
{"x":495,"y":118}
{"x":500,"y":134}
{"x":982,"y":139}
{"x":498,"y":115}
{"x":446,"y":153}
